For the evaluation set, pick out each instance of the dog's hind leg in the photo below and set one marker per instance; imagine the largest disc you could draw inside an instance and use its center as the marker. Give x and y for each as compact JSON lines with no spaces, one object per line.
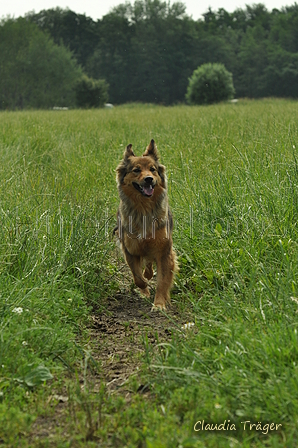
{"x":135,"y":264}
{"x":148,"y":272}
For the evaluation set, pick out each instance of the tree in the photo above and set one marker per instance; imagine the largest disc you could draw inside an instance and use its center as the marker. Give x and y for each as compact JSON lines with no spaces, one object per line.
{"x":76,"y":32}
{"x":281,"y":74}
{"x":253,"y":59}
{"x":34,"y":71}
{"x":148,"y":49}
{"x":210,"y":83}
{"x":91,"y":92}
{"x":146,"y":52}
{"x":111,"y":56}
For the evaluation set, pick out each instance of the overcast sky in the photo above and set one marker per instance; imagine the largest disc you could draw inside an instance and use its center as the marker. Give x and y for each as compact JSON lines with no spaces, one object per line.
{"x":97,"y":8}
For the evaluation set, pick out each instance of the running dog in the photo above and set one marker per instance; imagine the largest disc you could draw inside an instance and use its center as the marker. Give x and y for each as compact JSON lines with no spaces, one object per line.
{"x":145,"y":223}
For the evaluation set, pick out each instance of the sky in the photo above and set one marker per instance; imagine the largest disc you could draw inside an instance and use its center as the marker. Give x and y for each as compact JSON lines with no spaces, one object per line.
{"x":98,"y":8}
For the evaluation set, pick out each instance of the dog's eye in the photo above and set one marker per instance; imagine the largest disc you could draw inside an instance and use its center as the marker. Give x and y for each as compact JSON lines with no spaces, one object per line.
{"x":137,"y":170}
{"x":152,"y":169}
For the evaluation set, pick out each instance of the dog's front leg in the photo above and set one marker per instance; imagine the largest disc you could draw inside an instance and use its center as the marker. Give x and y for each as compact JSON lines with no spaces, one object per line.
{"x":135,"y":264}
{"x":165,"y":273}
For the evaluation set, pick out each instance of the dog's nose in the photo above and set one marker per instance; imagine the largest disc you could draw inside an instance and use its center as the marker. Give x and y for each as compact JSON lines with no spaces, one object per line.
{"x":148,"y":179}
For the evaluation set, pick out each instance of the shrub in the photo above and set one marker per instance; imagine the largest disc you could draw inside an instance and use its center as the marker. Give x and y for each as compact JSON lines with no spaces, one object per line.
{"x":210,"y":83}
{"x":91,"y":92}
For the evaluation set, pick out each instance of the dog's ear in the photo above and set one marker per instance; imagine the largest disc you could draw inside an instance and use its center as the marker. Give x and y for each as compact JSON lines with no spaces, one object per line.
{"x":123,"y":165}
{"x":162,"y":173}
{"x":151,"y":150}
{"x":128,"y":152}
{"x":121,"y":171}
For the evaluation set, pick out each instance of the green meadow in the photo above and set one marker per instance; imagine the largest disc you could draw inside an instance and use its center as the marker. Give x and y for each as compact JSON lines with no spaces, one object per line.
{"x":231,"y":378}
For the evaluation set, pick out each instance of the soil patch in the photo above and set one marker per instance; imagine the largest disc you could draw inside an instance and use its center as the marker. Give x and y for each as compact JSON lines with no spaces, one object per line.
{"x":121,"y":330}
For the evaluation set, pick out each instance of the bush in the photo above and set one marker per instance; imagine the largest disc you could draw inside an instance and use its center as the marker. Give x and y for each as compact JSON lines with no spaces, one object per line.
{"x":210,"y":83}
{"x":91,"y":92}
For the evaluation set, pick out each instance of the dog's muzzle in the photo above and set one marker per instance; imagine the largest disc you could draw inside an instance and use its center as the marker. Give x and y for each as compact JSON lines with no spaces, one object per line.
{"x":147,"y":189}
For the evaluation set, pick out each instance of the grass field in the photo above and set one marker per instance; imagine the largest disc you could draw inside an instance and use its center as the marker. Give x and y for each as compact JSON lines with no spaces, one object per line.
{"x":233,"y":189}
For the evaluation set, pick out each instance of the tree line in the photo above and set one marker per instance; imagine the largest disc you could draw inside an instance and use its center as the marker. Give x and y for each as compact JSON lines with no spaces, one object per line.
{"x":147,"y":50}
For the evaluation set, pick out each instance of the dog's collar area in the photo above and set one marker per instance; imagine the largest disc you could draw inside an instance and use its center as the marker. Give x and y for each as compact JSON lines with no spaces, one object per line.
{"x":147,"y":190}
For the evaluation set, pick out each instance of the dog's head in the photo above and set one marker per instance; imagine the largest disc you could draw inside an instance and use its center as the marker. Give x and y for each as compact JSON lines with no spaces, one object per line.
{"x":141,"y":177}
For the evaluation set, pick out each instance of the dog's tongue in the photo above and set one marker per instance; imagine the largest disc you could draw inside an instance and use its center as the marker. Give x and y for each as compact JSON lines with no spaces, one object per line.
{"x":148,"y":190}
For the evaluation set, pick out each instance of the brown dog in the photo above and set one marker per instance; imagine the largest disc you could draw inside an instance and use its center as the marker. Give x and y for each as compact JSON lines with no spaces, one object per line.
{"x":145,"y":222}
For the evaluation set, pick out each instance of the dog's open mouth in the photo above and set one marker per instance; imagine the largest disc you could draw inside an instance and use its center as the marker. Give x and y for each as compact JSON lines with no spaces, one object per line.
{"x":146,"y":190}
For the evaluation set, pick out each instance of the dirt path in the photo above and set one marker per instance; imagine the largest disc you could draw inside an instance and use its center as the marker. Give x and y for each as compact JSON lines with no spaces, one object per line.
{"x":120,"y":331}
{"x":117,"y":338}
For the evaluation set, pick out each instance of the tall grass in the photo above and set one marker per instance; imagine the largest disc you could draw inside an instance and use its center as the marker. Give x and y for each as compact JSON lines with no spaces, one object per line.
{"x":232,"y":176}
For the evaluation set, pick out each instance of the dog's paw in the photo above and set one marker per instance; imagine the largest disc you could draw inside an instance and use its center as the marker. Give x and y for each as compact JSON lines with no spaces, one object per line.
{"x":145,"y":292}
{"x":158,"y":307}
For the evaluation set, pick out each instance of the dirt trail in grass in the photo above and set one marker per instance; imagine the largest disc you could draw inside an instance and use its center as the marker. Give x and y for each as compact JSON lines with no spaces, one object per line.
{"x":118,"y":347}
{"x":120,"y":331}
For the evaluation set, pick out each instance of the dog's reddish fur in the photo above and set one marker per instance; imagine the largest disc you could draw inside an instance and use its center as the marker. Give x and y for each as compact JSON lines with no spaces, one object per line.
{"x":145,"y":222}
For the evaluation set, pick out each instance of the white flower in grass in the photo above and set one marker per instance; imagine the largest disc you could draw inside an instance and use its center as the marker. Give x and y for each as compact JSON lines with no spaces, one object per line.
{"x":17,"y":310}
{"x":187,"y":326}
{"x":163,"y":409}
{"x":24,"y":343}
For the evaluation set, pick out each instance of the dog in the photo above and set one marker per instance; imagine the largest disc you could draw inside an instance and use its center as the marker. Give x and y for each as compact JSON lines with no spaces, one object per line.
{"x":145,"y":222}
